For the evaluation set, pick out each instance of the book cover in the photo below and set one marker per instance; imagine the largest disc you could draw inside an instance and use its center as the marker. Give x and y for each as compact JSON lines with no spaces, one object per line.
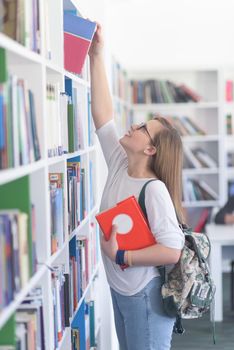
{"x":78,"y":34}
{"x":133,"y":231}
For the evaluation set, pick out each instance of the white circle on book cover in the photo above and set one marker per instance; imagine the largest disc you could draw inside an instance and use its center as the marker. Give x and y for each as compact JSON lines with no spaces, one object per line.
{"x":124,"y":223}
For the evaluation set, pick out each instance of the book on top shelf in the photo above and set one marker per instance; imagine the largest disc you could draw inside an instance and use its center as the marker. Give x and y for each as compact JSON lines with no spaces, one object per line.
{"x":78,"y":35}
{"x":133,"y":231}
{"x":162,"y":91}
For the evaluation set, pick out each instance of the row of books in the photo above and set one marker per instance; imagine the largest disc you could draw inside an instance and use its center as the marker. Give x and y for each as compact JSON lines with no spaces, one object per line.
{"x":20,"y":21}
{"x":230,"y":159}
{"x":30,"y":332}
{"x":18,"y":259}
{"x":76,"y":136}
{"x":77,"y":199}
{"x":197,"y":157}
{"x":83,"y":327}
{"x":83,"y":258}
{"x":186,"y":126}
{"x":65,"y":125}
{"x":19,"y":143}
{"x":57,"y":210}
{"x":229,"y":95}
{"x":120,"y":82}
{"x":77,"y":192}
{"x":161,"y":91}
{"x":195,"y":190}
{"x":230,"y":124}
{"x":61,"y":302}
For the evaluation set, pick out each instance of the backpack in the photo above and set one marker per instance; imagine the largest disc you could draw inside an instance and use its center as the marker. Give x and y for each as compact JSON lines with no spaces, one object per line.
{"x":188,"y":289}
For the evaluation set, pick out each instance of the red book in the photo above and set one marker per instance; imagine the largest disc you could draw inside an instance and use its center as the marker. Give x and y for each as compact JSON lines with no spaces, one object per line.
{"x":229,"y":91}
{"x":133,"y":231}
{"x":78,"y":35}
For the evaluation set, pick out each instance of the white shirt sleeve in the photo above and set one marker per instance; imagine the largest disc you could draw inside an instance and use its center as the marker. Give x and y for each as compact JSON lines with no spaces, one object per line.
{"x":112,"y":150}
{"x":161,"y":216}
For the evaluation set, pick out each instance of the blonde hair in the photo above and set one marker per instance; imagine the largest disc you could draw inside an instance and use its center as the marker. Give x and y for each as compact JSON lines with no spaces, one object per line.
{"x":168,"y":160}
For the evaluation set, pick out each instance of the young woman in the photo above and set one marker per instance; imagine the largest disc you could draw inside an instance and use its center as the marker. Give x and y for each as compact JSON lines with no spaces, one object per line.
{"x":151,"y":150}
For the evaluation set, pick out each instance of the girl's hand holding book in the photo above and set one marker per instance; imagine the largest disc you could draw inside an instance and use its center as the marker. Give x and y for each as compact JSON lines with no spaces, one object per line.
{"x":97,"y":45}
{"x":110,"y":247}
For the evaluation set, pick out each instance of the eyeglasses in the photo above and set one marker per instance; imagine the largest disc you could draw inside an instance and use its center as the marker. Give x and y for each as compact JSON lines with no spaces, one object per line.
{"x":143,"y":126}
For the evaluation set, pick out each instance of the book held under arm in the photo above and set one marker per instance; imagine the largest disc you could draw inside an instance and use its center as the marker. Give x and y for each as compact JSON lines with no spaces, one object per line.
{"x":133,"y":230}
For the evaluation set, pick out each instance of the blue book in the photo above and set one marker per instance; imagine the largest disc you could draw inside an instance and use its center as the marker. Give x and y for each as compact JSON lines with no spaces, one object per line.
{"x":78,"y":26}
{"x":79,"y":323}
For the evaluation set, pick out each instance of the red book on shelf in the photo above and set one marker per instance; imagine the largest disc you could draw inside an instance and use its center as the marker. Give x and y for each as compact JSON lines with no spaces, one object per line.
{"x":133,"y":231}
{"x":229,"y":91}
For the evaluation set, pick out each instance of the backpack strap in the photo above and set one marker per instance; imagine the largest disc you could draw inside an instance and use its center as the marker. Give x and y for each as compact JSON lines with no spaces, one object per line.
{"x":141,"y":198}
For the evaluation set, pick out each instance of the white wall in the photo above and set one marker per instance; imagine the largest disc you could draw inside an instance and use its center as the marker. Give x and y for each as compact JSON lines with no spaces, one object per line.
{"x":152,"y":33}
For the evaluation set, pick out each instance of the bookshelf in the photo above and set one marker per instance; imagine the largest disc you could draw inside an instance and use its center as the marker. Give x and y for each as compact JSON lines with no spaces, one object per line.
{"x":228,"y":114}
{"x":26,"y":182}
{"x":206,"y":113}
{"x":120,"y":87}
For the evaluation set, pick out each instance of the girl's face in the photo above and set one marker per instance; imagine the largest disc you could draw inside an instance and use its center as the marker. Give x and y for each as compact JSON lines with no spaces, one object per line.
{"x":140,"y":136}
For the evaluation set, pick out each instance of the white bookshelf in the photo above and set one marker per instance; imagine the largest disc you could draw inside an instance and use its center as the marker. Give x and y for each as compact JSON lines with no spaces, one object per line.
{"x":120,"y":88}
{"x":207,"y":114}
{"x":38,"y":69}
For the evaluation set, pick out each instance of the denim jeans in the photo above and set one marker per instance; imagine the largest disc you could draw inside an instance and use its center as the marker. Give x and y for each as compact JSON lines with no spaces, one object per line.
{"x":140,"y":321}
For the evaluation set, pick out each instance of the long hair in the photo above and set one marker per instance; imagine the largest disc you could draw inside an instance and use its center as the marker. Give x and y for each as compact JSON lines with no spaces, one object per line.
{"x":168,"y":160}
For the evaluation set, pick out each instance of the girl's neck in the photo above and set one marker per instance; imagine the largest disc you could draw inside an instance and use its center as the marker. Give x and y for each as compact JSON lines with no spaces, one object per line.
{"x":140,"y":174}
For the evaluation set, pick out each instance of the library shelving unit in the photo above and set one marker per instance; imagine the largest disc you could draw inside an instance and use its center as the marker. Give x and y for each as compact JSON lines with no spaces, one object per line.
{"x":228,"y":118}
{"x":120,"y":87}
{"x":25,"y":184}
{"x":206,"y":113}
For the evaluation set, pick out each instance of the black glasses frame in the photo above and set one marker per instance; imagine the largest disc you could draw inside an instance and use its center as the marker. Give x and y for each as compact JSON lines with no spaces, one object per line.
{"x":144,"y":127}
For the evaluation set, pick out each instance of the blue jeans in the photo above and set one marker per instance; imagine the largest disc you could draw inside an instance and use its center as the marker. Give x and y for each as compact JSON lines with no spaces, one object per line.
{"x":140,"y":321}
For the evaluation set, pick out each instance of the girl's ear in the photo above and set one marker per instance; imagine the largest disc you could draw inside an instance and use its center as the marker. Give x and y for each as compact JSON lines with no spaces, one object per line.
{"x":150,"y":150}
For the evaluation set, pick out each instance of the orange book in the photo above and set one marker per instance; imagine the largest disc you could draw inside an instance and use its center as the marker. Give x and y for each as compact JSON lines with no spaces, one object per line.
{"x":133,"y":231}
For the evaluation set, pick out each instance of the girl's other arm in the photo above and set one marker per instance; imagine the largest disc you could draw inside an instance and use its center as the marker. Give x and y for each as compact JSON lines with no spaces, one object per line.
{"x":101,"y":102}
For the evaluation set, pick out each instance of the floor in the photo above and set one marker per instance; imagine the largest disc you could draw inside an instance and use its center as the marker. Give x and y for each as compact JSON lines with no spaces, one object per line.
{"x":198,"y":334}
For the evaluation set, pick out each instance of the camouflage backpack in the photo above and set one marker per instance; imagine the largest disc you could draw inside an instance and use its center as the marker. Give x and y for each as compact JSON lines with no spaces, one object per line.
{"x":188,"y":289}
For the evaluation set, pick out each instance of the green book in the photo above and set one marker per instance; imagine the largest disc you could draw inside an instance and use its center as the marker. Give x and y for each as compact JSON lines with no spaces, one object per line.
{"x":7,"y":332}
{"x":92,"y":323}
{"x":16,"y":195}
{"x":3,"y":66}
{"x":166,"y":95}
{"x":71,"y":130}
